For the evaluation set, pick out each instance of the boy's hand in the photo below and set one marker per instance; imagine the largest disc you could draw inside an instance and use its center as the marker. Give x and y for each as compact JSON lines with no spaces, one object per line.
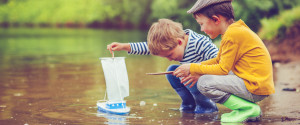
{"x":190,"y":79}
{"x":182,"y":71}
{"x":115,"y":46}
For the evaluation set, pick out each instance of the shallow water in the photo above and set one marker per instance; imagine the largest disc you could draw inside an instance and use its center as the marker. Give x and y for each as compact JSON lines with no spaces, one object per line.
{"x":54,"y":76}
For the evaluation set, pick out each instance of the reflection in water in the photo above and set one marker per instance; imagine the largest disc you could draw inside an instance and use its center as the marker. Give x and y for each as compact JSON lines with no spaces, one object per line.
{"x":207,"y":118}
{"x":113,"y":119}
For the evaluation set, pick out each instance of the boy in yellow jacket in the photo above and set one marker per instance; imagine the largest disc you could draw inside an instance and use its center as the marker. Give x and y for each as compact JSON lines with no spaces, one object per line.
{"x":241,"y":74}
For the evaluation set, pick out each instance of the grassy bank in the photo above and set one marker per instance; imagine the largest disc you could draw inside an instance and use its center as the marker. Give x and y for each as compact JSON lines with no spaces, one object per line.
{"x":276,"y":26}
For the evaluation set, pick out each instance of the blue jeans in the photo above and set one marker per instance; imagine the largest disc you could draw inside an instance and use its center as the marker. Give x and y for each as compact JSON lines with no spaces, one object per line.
{"x":192,"y":99}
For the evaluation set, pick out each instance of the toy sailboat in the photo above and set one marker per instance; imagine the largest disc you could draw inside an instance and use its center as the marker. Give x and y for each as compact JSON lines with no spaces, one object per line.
{"x":117,"y":86}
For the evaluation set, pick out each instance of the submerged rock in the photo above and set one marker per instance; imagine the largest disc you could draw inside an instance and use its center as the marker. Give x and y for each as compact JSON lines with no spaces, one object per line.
{"x":142,"y":103}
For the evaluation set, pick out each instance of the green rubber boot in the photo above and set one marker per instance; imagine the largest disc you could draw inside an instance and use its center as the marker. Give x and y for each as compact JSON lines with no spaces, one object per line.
{"x":243,"y":110}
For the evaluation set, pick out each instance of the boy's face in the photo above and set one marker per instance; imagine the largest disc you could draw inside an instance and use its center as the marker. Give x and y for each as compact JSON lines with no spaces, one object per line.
{"x":207,"y":25}
{"x":175,"y":54}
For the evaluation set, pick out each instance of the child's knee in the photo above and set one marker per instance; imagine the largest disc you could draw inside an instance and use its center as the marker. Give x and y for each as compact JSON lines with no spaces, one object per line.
{"x":172,"y":67}
{"x":203,"y":83}
{"x":173,"y":80}
{"x":170,"y":76}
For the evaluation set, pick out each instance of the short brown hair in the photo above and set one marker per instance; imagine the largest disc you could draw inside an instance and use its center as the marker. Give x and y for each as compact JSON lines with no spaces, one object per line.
{"x":162,"y":35}
{"x":225,"y":9}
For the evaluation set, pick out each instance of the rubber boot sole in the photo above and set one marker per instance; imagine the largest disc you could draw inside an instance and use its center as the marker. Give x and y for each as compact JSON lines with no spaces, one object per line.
{"x":254,"y":119}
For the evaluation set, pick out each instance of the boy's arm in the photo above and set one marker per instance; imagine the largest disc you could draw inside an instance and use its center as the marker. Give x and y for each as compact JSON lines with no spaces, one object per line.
{"x":227,"y":58}
{"x":139,"y":48}
{"x":115,"y":46}
{"x":210,"y":61}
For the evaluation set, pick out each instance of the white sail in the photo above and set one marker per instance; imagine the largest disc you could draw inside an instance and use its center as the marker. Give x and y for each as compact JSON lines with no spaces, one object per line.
{"x":115,"y":72}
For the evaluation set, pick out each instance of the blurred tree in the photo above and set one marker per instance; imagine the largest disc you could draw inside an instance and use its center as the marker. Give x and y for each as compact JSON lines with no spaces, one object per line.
{"x":126,"y":13}
{"x":3,"y":1}
{"x":252,"y":11}
{"x":175,"y":10}
{"x":144,"y":24}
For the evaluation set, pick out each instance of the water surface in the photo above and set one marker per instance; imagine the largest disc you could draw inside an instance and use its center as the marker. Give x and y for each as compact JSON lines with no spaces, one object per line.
{"x":54,"y":76}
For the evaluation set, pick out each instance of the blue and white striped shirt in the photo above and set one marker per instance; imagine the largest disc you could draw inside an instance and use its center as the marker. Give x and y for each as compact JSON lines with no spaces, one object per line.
{"x":199,"y":48}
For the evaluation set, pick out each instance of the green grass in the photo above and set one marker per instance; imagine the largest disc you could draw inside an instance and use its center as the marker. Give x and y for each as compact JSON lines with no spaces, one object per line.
{"x":276,"y":26}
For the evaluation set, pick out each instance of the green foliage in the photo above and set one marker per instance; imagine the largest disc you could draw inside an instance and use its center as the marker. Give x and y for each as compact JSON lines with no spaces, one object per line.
{"x":175,"y":10}
{"x":127,"y":13}
{"x":277,"y":25}
{"x":75,"y":11}
{"x":50,"y":12}
{"x":167,"y":10}
{"x":252,"y":11}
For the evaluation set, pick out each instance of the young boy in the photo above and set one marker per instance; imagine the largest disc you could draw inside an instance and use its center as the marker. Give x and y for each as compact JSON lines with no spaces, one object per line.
{"x":241,"y":74}
{"x":167,"y":39}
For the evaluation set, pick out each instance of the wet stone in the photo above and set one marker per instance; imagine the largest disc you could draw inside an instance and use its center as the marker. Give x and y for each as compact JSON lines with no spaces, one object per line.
{"x":289,"y":89}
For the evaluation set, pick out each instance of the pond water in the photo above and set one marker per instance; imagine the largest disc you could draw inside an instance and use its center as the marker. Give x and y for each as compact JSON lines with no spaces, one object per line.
{"x":54,"y":76}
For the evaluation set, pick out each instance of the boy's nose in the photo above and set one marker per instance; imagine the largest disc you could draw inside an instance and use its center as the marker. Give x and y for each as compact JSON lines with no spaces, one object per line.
{"x":201,"y":29}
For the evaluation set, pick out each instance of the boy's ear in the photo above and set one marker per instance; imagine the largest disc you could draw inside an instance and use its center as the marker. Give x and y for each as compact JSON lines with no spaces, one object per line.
{"x":216,"y":18}
{"x":179,"y":41}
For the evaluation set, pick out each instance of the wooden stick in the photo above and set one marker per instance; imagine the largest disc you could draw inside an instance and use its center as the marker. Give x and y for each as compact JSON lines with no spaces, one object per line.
{"x":160,"y":73}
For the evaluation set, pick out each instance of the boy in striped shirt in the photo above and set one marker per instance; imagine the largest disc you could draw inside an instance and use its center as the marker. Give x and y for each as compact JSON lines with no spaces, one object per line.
{"x":167,"y":39}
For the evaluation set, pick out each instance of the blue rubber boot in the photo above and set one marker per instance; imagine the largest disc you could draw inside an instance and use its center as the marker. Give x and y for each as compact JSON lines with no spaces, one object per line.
{"x":203,"y":103}
{"x":188,"y":102}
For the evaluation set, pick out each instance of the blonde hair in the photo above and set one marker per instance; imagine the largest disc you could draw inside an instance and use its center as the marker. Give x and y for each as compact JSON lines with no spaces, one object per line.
{"x":162,"y":35}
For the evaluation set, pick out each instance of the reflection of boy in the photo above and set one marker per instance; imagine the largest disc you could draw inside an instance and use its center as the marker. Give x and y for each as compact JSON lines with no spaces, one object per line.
{"x":241,"y":74}
{"x":167,"y":39}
